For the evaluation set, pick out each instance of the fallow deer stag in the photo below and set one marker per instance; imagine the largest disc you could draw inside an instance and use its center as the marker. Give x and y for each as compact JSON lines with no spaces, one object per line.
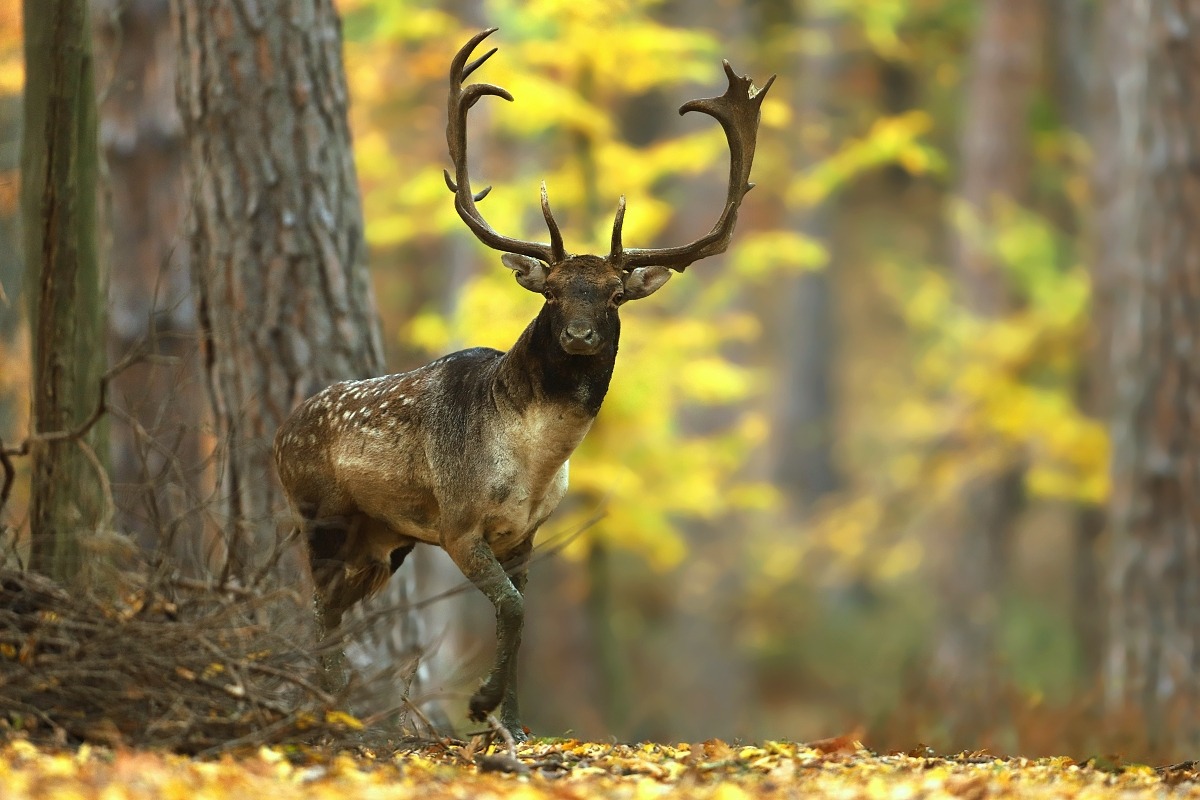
{"x":470,"y":451}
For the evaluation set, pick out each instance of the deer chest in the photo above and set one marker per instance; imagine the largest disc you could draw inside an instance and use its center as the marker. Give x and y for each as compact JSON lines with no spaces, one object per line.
{"x":529,"y":476}
{"x":516,"y":511}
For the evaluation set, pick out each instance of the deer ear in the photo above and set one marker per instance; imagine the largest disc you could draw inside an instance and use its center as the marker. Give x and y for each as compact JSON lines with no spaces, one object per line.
{"x":530,"y":272}
{"x":645,"y":281}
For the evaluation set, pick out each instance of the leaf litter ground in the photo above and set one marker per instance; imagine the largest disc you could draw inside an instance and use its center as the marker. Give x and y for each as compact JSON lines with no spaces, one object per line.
{"x":188,"y":669}
{"x":571,"y":769}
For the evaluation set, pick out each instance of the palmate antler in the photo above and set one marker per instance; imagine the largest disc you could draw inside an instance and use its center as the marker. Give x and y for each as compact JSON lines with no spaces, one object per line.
{"x":737,"y":110}
{"x":460,"y":102}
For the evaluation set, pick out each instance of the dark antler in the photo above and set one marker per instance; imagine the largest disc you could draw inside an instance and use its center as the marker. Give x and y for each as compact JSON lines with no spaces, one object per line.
{"x":737,"y":110}
{"x":460,"y":102}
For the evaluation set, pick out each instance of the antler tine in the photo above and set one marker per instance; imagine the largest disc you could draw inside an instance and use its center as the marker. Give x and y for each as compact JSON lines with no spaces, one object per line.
{"x":556,"y":240}
{"x":738,"y":112}
{"x":616,"y":251}
{"x":460,"y":101}
{"x":477,"y":63}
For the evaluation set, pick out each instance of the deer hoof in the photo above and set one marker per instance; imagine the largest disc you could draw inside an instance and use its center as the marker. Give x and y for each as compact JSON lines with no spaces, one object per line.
{"x":483,"y":703}
{"x":518,"y":731}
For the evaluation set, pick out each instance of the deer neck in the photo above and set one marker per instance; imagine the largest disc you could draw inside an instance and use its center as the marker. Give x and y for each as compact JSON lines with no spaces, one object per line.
{"x":538,"y":371}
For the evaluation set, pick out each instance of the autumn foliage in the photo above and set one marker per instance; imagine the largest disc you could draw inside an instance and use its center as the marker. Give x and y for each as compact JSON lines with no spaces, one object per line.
{"x":698,"y":594}
{"x":568,"y":769}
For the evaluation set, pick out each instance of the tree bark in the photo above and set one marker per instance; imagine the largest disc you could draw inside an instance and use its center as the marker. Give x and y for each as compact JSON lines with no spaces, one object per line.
{"x":157,"y":450}
{"x":11,"y":260}
{"x":1086,"y":104}
{"x":1005,"y":63}
{"x":276,"y":233}
{"x":58,"y":199}
{"x":277,"y":251}
{"x":1154,"y":509}
{"x":804,"y":464}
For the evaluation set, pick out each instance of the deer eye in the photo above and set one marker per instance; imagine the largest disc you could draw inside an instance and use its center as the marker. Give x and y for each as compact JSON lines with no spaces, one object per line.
{"x":617,"y":297}
{"x":549,"y":295}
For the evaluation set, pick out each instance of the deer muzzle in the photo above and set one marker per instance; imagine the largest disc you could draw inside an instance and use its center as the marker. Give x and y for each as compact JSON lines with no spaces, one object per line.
{"x":579,"y":339}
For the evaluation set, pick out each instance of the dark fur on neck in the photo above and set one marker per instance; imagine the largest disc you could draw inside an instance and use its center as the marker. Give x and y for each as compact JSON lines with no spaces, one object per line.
{"x":537,"y":369}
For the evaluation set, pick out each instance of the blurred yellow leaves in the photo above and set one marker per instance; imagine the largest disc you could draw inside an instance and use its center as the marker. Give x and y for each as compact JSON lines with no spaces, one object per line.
{"x":12,"y":61}
{"x":711,"y":380}
{"x":639,"y":461}
{"x":635,"y":55}
{"x":764,"y":254}
{"x":1006,"y":385}
{"x":897,"y":139}
{"x":343,"y":719}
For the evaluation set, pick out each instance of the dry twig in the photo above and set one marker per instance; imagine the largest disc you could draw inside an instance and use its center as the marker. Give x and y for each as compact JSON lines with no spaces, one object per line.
{"x":173,"y":664}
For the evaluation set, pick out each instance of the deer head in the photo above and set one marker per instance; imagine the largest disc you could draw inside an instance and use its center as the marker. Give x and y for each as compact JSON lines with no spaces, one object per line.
{"x":583,"y":292}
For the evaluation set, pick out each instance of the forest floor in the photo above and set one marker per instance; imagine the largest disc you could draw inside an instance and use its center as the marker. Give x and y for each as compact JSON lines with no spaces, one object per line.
{"x":565,"y":769}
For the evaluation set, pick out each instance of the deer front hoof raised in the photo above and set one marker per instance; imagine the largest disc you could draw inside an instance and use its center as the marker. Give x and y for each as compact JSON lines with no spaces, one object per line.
{"x":483,"y":703}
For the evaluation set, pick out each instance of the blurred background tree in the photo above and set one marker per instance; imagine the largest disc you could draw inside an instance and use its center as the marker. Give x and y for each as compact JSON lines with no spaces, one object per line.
{"x":159,"y":444}
{"x":1154,"y":518}
{"x":856,"y":471}
{"x":993,"y":181}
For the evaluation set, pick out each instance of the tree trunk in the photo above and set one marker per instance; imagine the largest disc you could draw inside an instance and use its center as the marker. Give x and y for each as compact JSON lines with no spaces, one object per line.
{"x":994,"y":166}
{"x":804,"y":464}
{"x":58,"y":198}
{"x":276,"y":233}
{"x":11,"y":263}
{"x":277,"y":250}
{"x":1086,"y":105}
{"x":1155,"y":503}
{"x":1005,"y":64}
{"x":156,"y":446}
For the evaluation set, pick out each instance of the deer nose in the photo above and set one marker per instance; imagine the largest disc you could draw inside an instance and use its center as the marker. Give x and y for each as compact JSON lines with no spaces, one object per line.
{"x":579,"y":338}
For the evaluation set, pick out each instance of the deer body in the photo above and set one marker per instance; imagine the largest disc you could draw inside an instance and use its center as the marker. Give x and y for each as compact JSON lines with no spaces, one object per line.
{"x":470,"y":452}
{"x":479,"y":437}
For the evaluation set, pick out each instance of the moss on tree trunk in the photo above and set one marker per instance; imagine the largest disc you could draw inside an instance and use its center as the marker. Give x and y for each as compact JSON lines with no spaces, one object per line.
{"x":58,"y":200}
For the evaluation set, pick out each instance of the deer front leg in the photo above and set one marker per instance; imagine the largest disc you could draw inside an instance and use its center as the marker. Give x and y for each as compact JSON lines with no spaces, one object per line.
{"x":478,"y":563}
{"x":517,"y":567}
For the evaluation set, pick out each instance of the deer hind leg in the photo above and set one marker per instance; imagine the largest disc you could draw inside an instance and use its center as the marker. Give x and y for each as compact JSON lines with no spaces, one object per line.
{"x":478,"y":563}
{"x":345,"y":563}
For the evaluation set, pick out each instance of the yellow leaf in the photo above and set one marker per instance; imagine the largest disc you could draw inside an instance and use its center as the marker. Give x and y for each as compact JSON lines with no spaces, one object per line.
{"x":343,"y":719}
{"x":730,"y":791}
